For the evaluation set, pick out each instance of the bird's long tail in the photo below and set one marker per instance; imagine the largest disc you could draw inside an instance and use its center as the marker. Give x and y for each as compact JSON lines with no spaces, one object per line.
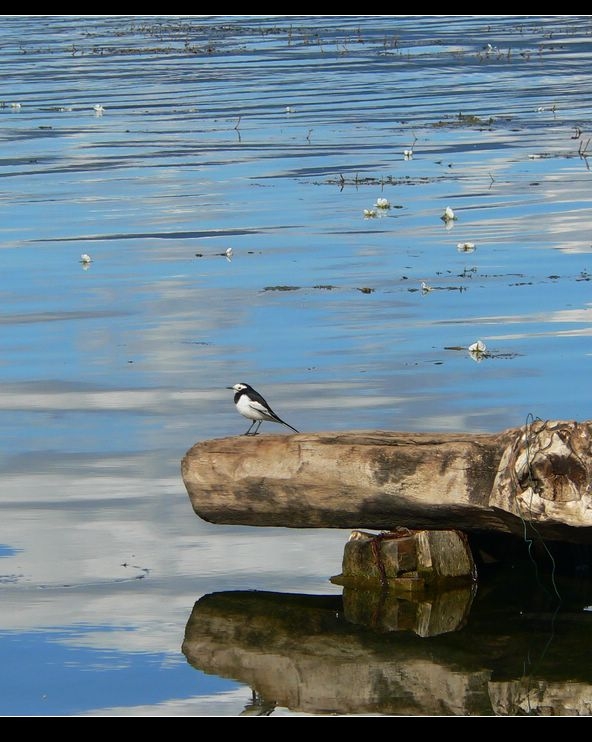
{"x":283,"y":422}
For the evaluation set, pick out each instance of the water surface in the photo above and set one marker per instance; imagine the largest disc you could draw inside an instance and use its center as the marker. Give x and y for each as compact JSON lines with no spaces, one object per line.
{"x":154,"y":144}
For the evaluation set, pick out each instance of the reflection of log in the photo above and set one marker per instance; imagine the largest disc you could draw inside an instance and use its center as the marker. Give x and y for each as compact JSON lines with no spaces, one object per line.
{"x":300,"y":652}
{"x":380,"y":480}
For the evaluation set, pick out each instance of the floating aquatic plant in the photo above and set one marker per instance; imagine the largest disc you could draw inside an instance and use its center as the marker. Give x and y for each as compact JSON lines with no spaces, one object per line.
{"x":425,"y":287}
{"x":382,"y":203}
{"x":465,"y":246}
{"x":477,"y":350}
{"x":479,"y":346}
{"x":98,"y":109}
{"x":369,"y":213}
{"x":85,"y":261}
{"x":448,"y":215}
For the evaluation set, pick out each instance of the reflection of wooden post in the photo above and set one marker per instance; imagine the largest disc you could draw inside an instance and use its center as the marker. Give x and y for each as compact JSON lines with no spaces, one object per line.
{"x":425,"y":613}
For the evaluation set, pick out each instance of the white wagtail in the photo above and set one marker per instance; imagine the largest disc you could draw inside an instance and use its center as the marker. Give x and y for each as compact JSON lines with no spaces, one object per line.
{"x":251,"y":405}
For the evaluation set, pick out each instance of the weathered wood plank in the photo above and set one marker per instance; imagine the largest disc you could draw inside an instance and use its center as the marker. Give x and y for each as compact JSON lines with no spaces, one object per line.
{"x":373,"y":480}
{"x":381,"y":480}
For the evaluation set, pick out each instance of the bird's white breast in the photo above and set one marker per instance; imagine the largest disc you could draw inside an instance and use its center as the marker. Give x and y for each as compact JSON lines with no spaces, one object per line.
{"x":251,"y":410}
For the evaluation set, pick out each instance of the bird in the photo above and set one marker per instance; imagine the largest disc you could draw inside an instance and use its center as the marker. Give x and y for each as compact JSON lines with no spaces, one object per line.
{"x":251,"y":405}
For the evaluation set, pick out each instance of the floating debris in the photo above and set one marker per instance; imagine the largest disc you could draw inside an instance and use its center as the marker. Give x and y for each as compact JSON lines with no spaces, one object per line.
{"x":477,"y":350}
{"x":448,"y":215}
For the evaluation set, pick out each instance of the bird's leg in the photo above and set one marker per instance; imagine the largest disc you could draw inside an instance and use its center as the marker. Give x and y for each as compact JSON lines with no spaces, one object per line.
{"x":250,"y":426}
{"x":258,"y":426}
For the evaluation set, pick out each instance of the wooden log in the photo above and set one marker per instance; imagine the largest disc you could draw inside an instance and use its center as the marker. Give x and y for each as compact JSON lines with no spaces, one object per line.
{"x":540,"y":474}
{"x":375,"y":480}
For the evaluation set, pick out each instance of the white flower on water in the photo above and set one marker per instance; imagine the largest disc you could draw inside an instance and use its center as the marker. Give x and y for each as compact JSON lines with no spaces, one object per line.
{"x":425,"y":287}
{"x":98,"y":109}
{"x":408,"y":154}
{"x":228,"y":254}
{"x":289,"y":109}
{"x":448,"y":215}
{"x":15,"y":106}
{"x":369,"y":213}
{"x":465,"y":246}
{"x":84,"y":258}
{"x":477,"y":350}
{"x":478,"y":347}
{"x":382,"y":203}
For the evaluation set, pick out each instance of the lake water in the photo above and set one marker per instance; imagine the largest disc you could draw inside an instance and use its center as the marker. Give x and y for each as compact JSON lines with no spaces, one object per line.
{"x":154,"y":144}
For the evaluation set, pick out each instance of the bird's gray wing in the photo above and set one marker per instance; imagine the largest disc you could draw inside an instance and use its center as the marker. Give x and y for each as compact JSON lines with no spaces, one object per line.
{"x":261,"y":408}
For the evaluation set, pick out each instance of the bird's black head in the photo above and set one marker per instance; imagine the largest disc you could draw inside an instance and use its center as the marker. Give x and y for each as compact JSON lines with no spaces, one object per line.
{"x":241,"y":387}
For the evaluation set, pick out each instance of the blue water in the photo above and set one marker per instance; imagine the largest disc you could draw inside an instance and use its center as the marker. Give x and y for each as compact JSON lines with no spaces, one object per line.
{"x":270,"y":135}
